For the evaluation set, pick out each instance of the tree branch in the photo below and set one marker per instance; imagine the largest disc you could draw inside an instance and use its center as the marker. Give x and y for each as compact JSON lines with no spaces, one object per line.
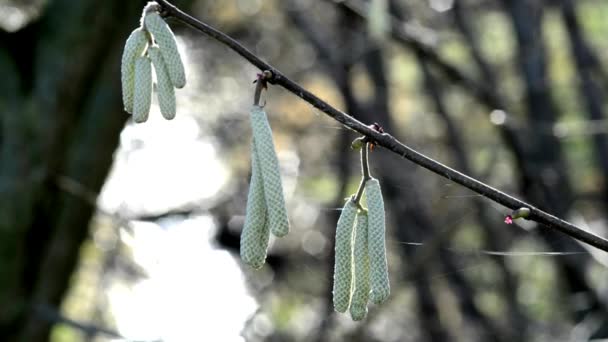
{"x":386,"y":140}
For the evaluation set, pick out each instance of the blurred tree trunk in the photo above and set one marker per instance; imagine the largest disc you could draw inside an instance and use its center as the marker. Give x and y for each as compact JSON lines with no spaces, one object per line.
{"x":551,"y":189}
{"x":494,"y":238}
{"x":589,"y":73}
{"x":61,"y":118}
{"x":404,"y":207}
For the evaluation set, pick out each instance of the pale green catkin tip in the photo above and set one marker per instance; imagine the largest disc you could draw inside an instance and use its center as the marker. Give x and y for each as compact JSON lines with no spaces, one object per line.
{"x":343,"y":259}
{"x":164,"y":87}
{"x":163,"y":36}
{"x":358,"y":311}
{"x":142,"y":96}
{"x":376,"y":243}
{"x":358,"y":306}
{"x":134,"y":47}
{"x":255,"y":235}
{"x":269,"y":165}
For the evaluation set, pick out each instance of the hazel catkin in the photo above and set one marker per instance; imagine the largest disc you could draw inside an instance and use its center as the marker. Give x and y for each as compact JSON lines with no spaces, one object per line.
{"x":343,"y":257}
{"x":358,"y":305}
{"x":269,"y":165}
{"x":164,"y":38}
{"x":255,"y":234}
{"x":380,"y":287}
{"x":142,"y":95}
{"x":134,"y":47}
{"x":164,"y":88}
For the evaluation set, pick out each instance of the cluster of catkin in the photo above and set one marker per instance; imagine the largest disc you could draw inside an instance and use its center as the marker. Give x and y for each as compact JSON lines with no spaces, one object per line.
{"x":266,"y":211}
{"x":151,"y":43}
{"x":360,"y":270}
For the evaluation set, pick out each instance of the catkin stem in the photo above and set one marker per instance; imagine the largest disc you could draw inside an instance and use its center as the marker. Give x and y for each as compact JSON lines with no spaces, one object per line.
{"x":365,"y":162}
{"x":365,"y":174}
{"x":261,"y":84}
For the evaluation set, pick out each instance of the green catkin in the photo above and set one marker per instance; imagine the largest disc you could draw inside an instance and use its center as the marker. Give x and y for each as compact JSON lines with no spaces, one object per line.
{"x":163,"y":36}
{"x":269,"y":164}
{"x":344,"y":255}
{"x":376,"y":243}
{"x":134,"y":47}
{"x":142,"y":96}
{"x":255,"y":235}
{"x":358,"y":305}
{"x":164,"y":87}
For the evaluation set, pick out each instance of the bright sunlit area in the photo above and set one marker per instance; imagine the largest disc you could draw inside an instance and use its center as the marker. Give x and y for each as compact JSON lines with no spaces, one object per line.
{"x":186,"y":281}
{"x":158,"y":199}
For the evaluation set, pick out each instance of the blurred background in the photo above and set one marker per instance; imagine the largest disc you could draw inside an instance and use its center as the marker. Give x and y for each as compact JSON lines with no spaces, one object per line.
{"x":111,"y":231}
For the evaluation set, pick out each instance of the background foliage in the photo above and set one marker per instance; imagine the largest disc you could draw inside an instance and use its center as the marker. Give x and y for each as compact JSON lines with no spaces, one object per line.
{"x":509,"y":91}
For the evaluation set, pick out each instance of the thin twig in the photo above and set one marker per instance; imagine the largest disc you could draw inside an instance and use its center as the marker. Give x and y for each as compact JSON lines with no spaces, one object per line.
{"x":386,"y":140}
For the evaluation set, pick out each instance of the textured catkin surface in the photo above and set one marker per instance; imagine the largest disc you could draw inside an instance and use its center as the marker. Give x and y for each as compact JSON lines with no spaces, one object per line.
{"x":134,"y":47}
{"x":164,"y":87}
{"x":269,"y":164}
{"x":255,"y":235}
{"x":376,"y":243}
{"x":142,"y":96}
{"x":166,"y":41}
{"x":344,"y":257}
{"x":358,"y":305}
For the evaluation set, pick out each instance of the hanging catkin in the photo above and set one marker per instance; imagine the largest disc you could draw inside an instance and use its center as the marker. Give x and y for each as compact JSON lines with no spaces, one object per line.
{"x":344,"y":255}
{"x":358,"y":305}
{"x":255,"y":234}
{"x":269,"y":164}
{"x":380,"y":288}
{"x":143,"y":89}
{"x":134,"y":47}
{"x":163,"y":36}
{"x":164,"y":87}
